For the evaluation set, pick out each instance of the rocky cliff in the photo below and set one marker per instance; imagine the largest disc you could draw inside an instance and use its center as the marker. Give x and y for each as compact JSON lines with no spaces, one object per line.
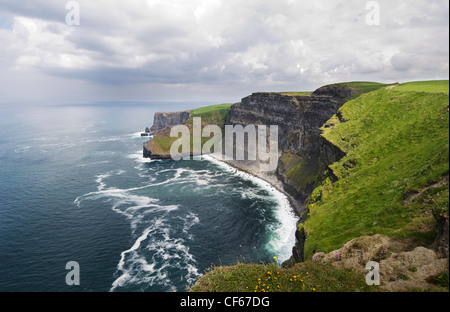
{"x":304,"y":154}
{"x":163,"y":120}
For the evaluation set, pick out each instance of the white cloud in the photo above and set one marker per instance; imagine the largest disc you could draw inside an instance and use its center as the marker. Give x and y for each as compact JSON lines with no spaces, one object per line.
{"x":223,"y":44}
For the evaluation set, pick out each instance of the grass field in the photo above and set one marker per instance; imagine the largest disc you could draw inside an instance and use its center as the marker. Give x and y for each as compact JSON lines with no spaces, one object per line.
{"x":202,"y":111}
{"x":425,"y":86}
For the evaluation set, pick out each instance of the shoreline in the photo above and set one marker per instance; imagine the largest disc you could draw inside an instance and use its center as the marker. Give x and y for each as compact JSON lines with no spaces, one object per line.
{"x":271,"y":179}
{"x":286,"y":213}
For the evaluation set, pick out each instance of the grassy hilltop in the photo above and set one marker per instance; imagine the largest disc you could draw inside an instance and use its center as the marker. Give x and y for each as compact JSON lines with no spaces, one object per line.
{"x":396,"y":140}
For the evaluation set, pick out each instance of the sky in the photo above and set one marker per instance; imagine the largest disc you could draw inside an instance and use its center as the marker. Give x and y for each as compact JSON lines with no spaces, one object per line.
{"x":213,"y":50}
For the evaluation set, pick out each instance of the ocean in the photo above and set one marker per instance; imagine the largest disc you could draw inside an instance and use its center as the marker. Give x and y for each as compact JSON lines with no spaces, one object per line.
{"x":75,"y":187}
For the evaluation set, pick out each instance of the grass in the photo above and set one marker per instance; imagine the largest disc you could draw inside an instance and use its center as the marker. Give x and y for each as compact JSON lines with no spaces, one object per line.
{"x":396,"y":142}
{"x":425,"y":86}
{"x":363,"y":86}
{"x":303,"y":277}
{"x":296,"y":93}
{"x":207,"y":111}
{"x":442,"y":279}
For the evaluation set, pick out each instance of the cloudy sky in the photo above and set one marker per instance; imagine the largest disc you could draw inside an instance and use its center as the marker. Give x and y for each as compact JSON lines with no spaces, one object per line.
{"x":213,"y":50}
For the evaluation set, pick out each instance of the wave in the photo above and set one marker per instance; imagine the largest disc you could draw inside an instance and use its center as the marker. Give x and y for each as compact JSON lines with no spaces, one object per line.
{"x":158,"y":250}
{"x":137,"y":135}
{"x":283,"y":234}
{"x":22,"y":149}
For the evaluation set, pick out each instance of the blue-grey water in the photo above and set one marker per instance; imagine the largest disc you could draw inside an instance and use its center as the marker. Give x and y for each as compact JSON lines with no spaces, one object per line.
{"x":74,"y":187}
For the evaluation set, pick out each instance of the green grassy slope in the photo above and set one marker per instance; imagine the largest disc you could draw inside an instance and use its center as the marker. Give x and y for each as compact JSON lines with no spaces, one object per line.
{"x":396,"y":141}
{"x":363,"y":86}
{"x":308,"y":276}
{"x":425,"y":86}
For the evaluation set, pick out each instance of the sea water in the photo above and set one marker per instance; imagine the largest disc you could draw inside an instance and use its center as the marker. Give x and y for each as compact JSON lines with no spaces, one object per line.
{"x":75,"y":187}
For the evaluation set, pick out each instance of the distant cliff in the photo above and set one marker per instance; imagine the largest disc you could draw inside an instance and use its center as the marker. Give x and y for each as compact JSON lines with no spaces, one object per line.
{"x":168,"y":119}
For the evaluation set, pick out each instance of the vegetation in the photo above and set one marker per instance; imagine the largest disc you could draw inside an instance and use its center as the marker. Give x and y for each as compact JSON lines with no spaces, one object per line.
{"x":442,"y":279}
{"x":206,"y":111}
{"x":396,"y":144}
{"x":363,"y":86}
{"x":301,"y":93}
{"x":425,"y":86}
{"x":303,"y":277}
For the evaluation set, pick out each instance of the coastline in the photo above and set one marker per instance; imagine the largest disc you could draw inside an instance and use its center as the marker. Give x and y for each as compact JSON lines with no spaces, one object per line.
{"x":251,"y":168}
{"x":286,"y":214}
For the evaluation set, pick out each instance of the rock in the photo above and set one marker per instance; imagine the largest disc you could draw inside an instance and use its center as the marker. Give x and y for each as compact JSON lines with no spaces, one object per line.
{"x":404,"y":267}
{"x":147,"y":153}
{"x":163,"y":120}
{"x":443,"y":233}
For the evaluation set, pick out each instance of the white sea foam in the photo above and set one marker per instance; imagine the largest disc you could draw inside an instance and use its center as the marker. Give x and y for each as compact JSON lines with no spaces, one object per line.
{"x":94,"y":163}
{"x":137,"y":156}
{"x":283,"y":235}
{"x":156,"y":251}
{"x":138,"y":135}
{"x":167,"y":253}
{"x":126,"y":274}
{"x":22,"y":149}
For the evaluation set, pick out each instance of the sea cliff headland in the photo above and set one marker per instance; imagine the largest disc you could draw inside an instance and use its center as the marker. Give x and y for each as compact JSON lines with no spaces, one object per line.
{"x":356,"y":161}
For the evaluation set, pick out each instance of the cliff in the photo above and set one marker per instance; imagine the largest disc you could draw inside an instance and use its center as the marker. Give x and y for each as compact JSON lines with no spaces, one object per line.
{"x":167,"y":119}
{"x":159,"y":146}
{"x":304,"y":155}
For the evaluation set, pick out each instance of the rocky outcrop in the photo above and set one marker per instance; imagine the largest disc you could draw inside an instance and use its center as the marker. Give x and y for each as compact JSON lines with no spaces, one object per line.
{"x":147,"y":153}
{"x":404,"y":265}
{"x":163,"y":120}
{"x":443,"y":233}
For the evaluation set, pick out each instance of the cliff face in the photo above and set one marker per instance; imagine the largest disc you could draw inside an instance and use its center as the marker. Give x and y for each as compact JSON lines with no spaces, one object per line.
{"x":304,"y":154}
{"x":163,"y":120}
